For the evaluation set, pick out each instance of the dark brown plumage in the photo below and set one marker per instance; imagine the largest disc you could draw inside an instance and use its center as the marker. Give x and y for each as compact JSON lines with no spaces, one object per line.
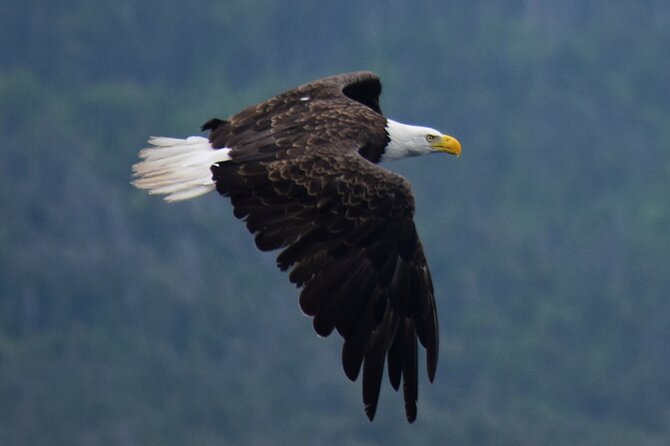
{"x":344,"y":224}
{"x":300,"y":170}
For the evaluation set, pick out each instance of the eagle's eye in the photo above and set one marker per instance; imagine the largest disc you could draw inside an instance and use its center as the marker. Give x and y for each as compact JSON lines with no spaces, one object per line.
{"x":430,"y":138}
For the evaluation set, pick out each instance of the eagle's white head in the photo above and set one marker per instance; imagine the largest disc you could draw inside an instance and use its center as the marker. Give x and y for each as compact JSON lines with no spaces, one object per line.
{"x":411,"y":140}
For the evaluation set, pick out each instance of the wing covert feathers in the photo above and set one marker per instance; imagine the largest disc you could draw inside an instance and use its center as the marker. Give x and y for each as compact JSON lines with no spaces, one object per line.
{"x":301,"y":174}
{"x":345,"y":230}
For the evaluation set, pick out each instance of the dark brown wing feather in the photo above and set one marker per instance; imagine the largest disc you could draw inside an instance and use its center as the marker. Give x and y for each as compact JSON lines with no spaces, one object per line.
{"x":338,"y":108}
{"x":343,"y":224}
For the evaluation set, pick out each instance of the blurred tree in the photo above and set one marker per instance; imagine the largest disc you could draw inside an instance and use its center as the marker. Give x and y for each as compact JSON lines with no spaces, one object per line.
{"x":127,"y":321}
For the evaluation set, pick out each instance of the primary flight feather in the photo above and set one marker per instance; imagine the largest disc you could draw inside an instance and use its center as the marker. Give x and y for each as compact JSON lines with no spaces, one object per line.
{"x":301,"y":170}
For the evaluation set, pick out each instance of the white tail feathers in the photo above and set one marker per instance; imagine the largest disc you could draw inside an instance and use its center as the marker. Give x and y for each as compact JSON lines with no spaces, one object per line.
{"x":178,"y":168}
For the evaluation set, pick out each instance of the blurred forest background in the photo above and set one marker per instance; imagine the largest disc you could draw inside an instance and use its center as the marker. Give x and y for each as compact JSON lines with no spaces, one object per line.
{"x":128,"y":321}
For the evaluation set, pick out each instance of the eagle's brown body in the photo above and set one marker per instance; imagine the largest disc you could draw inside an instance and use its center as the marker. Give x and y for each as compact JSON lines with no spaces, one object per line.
{"x":300,"y":170}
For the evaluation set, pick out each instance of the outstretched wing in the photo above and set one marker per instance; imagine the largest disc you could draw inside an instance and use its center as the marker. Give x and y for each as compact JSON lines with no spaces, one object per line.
{"x":338,"y":108}
{"x":300,"y":176}
{"x":345,"y":229}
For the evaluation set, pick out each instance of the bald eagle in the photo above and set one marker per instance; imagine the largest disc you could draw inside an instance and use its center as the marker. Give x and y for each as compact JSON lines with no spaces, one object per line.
{"x":301,"y":171}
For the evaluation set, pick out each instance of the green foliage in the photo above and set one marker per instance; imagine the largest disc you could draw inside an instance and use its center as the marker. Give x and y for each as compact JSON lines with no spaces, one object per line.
{"x":124,"y":320}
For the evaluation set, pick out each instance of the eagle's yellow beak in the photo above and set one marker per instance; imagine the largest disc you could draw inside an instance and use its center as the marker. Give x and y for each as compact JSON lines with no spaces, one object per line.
{"x":448,"y":144}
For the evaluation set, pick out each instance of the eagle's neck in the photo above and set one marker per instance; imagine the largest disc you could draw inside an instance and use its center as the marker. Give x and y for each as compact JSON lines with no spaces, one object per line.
{"x":405,"y":141}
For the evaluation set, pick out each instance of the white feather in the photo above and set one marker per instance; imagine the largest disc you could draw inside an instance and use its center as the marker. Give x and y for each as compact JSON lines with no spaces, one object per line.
{"x":406,"y":140}
{"x":178,"y":168}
